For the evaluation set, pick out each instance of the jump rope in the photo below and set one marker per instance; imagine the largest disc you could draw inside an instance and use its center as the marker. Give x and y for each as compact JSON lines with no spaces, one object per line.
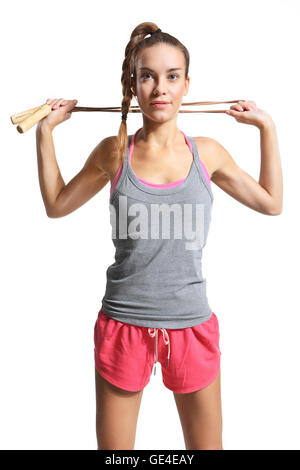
{"x":30,"y":117}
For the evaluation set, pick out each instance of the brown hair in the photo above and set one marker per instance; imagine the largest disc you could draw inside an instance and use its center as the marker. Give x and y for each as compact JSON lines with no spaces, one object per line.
{"x":137,"y":42}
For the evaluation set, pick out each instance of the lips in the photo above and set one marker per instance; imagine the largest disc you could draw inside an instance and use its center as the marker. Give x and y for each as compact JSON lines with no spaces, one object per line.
{"x":160,"y":104}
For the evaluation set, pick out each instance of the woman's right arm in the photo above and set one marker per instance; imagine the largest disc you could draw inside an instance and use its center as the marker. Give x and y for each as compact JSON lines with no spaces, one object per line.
{"x":59,"y":198}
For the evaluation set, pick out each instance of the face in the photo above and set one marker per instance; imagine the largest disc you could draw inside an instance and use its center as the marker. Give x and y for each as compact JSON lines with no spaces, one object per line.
{"x":155,"y":81}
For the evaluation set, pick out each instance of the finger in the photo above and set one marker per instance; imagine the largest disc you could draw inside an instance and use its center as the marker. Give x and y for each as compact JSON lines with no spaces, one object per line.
{"x":237,"y":107}
{"x":52,"y":102}
{"x":233,"y":112}
{"x":242,"y":106}
{"x":57,"y":103}
{"x":247,"y":105}
{"x":71,"y":103}
{"x":67,"y":101}
{"x":250,"y":105}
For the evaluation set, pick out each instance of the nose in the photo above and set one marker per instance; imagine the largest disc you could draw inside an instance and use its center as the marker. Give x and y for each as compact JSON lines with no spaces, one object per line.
{"x":160,"y":87}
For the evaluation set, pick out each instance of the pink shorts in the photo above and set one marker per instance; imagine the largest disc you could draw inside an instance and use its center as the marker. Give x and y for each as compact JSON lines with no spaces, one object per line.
{"x":125,"y":354}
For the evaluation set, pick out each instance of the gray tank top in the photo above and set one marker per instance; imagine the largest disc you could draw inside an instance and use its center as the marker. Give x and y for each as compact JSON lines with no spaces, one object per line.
{"x":156,"y":280}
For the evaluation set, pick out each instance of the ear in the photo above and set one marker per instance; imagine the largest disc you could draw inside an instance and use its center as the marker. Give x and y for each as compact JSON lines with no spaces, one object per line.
{"x":187,"y":85}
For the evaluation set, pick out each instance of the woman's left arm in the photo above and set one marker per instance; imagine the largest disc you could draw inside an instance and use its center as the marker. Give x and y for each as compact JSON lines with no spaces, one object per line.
{"x":266,"y":195}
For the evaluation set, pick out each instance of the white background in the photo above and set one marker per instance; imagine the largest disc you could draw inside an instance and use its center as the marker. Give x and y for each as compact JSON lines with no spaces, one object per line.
{"x":53,"y":270}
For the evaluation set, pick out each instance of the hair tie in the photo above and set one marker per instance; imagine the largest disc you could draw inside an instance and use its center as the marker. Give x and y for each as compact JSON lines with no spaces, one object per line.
{"x":124,"y":116}
{"x":156,"y":31}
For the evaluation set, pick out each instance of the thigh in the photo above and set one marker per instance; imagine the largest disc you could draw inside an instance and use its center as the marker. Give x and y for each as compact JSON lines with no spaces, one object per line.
{"x":122,"y":353}
{"x":195,"y":357}
{"x":116,"y":415}
{"x":200,"y":414}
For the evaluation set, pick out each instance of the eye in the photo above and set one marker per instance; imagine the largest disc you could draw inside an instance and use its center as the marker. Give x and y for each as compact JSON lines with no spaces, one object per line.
{"x":147,"y":73}
{"x":172,"y":74}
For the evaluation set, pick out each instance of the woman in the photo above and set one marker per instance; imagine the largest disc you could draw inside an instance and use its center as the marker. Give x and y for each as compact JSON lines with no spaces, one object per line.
{"x":155,"y":306}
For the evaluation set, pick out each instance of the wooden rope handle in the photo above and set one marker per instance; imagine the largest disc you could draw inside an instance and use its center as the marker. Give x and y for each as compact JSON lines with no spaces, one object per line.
{"x":21,"y":116}
{"x":27,"y":119}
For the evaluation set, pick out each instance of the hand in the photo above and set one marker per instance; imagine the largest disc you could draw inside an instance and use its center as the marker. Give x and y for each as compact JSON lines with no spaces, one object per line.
{"x":248,"y":113}
{"x":61,"y":111}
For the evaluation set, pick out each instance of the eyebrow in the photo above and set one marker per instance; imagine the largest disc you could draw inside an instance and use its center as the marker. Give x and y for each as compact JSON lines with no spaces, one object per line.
{"x":169,"y":70}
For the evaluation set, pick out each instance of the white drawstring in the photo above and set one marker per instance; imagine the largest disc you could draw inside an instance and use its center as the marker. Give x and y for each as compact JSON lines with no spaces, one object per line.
{"x":166,"y":341}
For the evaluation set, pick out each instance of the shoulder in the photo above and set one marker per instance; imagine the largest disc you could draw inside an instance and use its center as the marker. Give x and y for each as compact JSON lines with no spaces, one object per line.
{"x":212,"y":153}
